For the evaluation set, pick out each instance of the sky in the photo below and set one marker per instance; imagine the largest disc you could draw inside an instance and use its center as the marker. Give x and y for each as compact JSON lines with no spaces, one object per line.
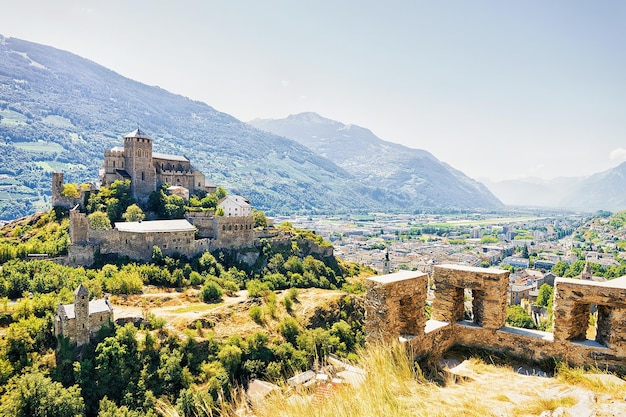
{"x":497,"y":89}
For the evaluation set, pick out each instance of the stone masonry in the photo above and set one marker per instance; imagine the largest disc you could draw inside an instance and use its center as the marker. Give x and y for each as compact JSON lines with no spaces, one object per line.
{"x":395,"y":303}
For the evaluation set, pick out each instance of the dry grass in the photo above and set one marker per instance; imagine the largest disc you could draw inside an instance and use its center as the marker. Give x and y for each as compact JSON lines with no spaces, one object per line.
{"x":595,"y":380}
{"x":538,"y":405}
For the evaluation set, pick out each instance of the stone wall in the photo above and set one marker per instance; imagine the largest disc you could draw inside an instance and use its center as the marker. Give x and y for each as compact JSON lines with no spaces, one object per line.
{"x":204,"y":222}
{"x":234,"y":232}
{"x":395,"y":305}
{"x":395,"y":310}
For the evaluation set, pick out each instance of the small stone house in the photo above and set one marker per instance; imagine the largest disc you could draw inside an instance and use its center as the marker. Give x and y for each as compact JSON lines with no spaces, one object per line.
{"x":83,"y":319}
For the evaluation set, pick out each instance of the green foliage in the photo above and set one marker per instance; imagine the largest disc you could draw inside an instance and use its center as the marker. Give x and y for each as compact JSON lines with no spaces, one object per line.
{"x":211,"y":293}
{"x":546,"y":293}
{"x":36,"y":395}
{"x":133,"y":213}
{"x":256,"y":313}
{"x":220,"y":193}
{"x":259,"y":218}
{"x":70,"y":190}
{"x":45,"y":233}
{"x":99,"y":221}
{"x":517,"y":316}
{"x":487,"y":239}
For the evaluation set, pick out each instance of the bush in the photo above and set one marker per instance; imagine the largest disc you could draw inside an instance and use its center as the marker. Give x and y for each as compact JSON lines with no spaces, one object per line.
{"x":211,"y":293}
{"x":256,"y":313}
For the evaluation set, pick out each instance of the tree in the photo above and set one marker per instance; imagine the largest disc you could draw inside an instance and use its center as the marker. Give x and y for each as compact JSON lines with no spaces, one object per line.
{"x":546,"y":292}
{"x":259,"y":218}
{"x":524,"y":252}
{"x":99,"y":221}
{"x":560,"y":268}
{"x":174,"y":207}
{"x":133,"y":213}
{"x":70,"y":190}
{"x":211,"y":293}
{"x":35,"y":395}
{"x":517,"y":316}
{"x":219,"y":212}
{"x":230,"y":357}
{"x":220,"y":193}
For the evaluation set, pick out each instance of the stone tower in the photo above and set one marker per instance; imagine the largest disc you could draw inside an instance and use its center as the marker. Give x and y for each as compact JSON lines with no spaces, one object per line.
{"x":138,"y":156}
{"x":57,"y":188}
{"x":81,"y":313}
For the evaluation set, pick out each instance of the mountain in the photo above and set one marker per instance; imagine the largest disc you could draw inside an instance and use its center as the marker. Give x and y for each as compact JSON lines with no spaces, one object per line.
{"x":407,"y":177}
{"x":59,"y":112}
{"x":601,"y":191}
{"x":533,"y":192}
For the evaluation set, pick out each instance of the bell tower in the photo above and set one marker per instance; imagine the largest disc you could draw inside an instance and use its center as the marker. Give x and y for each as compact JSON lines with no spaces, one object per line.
{"x":81,"y":314}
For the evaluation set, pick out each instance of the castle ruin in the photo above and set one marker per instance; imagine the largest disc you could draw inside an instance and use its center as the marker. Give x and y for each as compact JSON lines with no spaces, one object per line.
{"x":394,"y":309}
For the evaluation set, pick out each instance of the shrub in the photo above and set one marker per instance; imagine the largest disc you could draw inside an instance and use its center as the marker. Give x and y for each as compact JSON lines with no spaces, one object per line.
{"x":211,"y":293}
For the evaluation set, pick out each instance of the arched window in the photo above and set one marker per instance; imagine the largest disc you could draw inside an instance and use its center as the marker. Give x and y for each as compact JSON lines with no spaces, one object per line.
{"x":139,"y":153}
{"x":113,"y":164}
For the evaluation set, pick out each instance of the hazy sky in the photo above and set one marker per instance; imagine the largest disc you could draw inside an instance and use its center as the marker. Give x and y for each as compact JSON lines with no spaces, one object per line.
{"x":498,"y":89}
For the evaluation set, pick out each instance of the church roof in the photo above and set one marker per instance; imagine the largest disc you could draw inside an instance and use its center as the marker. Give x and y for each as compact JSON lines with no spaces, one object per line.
{"x":81,"y":290}
{"x":137,"y":134}
{"x":95,"y":306}
{"x":178,"y":225}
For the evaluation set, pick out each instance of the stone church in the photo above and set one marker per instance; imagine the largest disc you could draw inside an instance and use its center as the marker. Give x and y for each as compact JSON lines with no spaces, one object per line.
{"x":148,"y":170}
{"x":84,"y":318}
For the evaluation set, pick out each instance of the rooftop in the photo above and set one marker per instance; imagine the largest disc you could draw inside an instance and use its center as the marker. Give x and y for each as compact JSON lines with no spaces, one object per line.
{"x":168,"y":157}
{"x":95,"y":306}
{"x":137,"y":134}
{"x":178,"y":225}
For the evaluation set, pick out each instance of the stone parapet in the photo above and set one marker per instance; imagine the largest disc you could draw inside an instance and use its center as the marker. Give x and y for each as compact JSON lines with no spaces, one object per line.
{"x":394,"y":306}
{"x":489,"y":292}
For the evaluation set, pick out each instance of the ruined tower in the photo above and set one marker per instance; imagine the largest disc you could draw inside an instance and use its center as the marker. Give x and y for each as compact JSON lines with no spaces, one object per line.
{"x":139,"y":165}
{"x":57,"y":188}
{"x":81,"y":313}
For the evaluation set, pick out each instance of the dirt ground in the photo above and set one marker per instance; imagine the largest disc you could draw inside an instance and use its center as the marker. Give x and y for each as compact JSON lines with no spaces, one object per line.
{"x":230,"y":316}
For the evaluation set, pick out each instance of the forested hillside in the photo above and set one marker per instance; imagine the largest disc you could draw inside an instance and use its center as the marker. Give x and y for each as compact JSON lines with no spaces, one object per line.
{"x":274,"y":331}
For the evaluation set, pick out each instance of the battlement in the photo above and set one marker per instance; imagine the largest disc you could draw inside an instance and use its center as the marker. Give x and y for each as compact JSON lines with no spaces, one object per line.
{"x":394,"y":309}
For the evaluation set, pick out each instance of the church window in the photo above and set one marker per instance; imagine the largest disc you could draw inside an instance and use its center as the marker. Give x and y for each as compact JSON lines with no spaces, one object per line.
{"x":142,"y":176}
{"x":138,"y":152}
{"x":113,"y":164}
{"x":146,"y":154}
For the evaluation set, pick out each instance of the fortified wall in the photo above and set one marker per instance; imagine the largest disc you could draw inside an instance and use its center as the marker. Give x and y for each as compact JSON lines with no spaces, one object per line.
{"x":394,"y":310}
{"x":60,"y":200}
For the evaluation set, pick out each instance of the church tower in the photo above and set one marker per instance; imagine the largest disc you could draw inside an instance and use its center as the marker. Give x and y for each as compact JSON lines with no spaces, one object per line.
{"x":81,"y":314}
{"x":138,"y":156}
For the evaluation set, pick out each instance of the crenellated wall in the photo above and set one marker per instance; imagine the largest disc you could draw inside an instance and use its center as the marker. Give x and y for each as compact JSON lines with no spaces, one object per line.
{"x":395,"y":303}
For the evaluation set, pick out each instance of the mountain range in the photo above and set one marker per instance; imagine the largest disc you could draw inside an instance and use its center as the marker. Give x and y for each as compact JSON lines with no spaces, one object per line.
{"x":406,"y":176}
{"x":601,"y":191}
{"x":59,"y":112}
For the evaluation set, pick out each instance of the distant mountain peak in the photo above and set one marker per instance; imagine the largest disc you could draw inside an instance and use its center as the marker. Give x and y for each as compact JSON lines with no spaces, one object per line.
{"x":404,"y":176}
